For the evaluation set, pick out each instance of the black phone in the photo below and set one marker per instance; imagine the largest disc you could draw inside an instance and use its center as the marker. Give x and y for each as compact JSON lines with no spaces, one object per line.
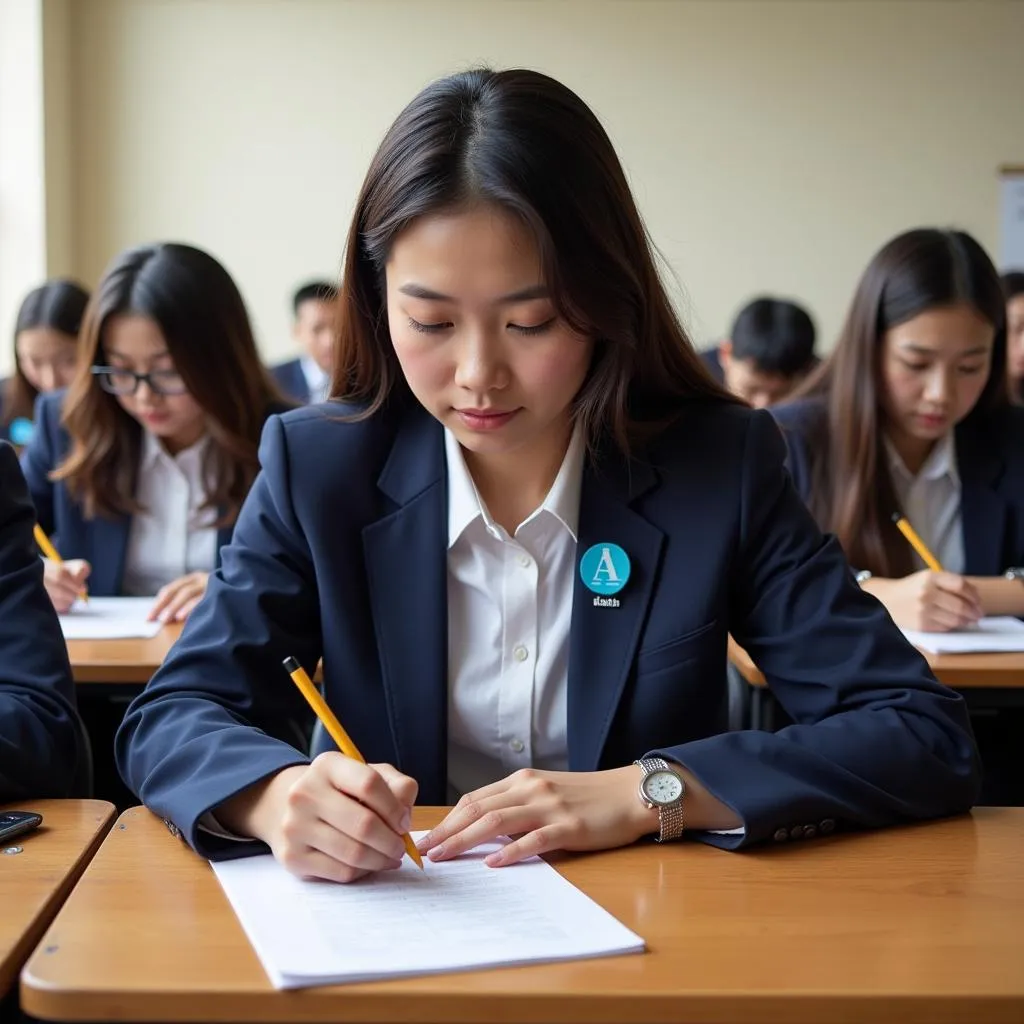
{"x":15,"y":823}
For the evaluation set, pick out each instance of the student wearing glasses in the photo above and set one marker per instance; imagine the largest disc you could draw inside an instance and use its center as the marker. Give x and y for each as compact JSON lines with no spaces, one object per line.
{"x":140,"y":467}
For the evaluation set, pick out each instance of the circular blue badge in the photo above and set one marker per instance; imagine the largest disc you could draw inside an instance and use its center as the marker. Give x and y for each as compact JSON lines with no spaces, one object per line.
{"x":20,"y":431}
{"x":604,"y":569}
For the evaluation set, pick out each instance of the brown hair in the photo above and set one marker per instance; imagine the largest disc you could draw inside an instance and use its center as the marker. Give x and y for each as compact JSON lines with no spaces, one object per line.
{"x":852,"y":493}
{"x":203,"y":319}
{"x":523,"y":141}
{"x":58,"y":304}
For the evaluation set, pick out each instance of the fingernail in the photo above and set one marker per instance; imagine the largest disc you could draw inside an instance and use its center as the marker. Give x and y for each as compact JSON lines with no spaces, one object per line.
{"x":494,"y":860}
{"x":437,"y":852}
{"x":405,"y":823}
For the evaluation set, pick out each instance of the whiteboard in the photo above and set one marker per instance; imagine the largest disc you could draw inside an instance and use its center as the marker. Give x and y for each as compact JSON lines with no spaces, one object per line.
{"x":1011,"y":219}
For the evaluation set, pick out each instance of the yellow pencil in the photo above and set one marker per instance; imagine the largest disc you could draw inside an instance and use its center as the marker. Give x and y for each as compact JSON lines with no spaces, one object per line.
{"x":336,"y":732}
{"x":47,"y":548}
{"x":916,"y":543}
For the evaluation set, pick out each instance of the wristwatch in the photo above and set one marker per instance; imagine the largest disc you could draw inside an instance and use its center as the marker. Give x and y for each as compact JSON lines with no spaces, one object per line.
{"x":1015,"y":574}
{"x":662,"y":787}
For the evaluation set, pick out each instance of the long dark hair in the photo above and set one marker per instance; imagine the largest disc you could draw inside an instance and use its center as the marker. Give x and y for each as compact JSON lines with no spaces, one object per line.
{"x":852,"y":493}
{"x":57,"y":304}
{"x":524,"y":142}
{"x":205,"y":324}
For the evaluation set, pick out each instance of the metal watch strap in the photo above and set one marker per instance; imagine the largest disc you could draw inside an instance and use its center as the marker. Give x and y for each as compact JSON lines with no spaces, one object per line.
{"x":670,"y":818}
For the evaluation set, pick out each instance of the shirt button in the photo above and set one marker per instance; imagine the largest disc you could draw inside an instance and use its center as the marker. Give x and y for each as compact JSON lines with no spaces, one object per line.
{"x":520,"y":653}
{"x":781,"y":835}
{"x":525,"y":561}
{"x":517,"y":746}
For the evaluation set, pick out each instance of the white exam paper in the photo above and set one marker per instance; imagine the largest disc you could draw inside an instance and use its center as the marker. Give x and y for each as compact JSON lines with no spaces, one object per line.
{"x":453,"y":916}
{"x":992,"y":634}
{"x":110,"y":618}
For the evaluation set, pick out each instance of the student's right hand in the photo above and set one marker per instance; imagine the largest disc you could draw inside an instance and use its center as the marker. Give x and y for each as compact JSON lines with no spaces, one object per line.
{"x":335,"y":819}
{"x":933,"y":602}
{"x":65,"y":581}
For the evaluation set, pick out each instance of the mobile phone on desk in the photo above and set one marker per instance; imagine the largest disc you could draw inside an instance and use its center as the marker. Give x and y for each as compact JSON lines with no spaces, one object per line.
{"x":16,"y":823}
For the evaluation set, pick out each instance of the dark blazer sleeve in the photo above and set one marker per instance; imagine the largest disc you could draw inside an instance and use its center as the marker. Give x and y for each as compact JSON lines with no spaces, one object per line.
{"x":42,"y":455}
{"x":876,"y":739}
{"x":41,"y":743}
{"x":184,"y":757}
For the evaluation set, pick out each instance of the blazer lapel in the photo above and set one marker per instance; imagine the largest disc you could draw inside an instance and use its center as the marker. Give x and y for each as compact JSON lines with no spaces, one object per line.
{"x":406,"y":562}
{"x":982,"y":509}
{"x":603,"y":640}
{"x":110,"y":545}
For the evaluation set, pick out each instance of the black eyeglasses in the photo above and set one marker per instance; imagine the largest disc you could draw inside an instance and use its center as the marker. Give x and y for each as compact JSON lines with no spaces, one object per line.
{"x":116,"y":381}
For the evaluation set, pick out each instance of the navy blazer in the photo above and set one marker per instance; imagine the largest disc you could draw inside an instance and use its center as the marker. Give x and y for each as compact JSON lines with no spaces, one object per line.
{"x":990,"y":462}
{"x":341,"y":552}
{"x":291,"y":380}
{"x":42,"y":747}
{"x":102,"y":541}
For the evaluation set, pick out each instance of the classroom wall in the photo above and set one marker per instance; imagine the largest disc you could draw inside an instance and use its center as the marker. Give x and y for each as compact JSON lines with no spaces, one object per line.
{"x":773,"y":144}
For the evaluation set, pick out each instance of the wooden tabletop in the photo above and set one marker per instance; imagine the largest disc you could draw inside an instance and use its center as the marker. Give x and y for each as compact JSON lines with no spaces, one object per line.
{"x":909,"y":925}
{"x":120,"y":661}
{"x":34,"y":882}
{"x":960,"y":671}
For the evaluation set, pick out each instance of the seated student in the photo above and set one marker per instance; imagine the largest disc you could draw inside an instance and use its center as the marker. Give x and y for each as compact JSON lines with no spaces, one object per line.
{"x":767,"y":354}
{"x":45,"y":353}
{"x":308,"y":378}
{"x":909,"y":415}
{"x":139,"y":469}
{"x":41,"y":745}
{"x":520,"y":549}
{"x":1013,"y":291}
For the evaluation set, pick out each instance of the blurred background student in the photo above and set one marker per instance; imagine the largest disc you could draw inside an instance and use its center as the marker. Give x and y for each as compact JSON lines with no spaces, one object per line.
{"x":308,"y":378}
{"x":140,"y":468}
{"x":45,"y":353}
{"x":769,"y":351}
{"x":1013,"y":289}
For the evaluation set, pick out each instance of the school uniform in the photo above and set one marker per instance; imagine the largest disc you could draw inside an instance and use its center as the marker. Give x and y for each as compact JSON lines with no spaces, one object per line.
{"x":129,"y":555}
{"x":967,"y":502}
{"x":346,"y":558}
{"x":42,"y":748}
{"x":302,"y":380}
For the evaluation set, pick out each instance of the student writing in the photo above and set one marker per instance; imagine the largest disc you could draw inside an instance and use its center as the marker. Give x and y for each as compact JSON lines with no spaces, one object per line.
{"x":910,"y":415}
{"x":139,"y":469}
{"x":519,"y":549}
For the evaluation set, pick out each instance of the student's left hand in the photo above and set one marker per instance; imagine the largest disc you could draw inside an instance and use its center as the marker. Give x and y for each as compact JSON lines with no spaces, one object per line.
{"x":175,"y":601}
{"x":545,"y":811}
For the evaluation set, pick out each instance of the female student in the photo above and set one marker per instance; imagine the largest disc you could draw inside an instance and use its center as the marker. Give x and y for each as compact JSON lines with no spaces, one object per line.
{"x":520,"y":548}
{"x":140,"y":468}
{"x":909,"y":415}
{"x":1013,"y":292}
{"x":42,"y":750}
{"x":45,"y":353}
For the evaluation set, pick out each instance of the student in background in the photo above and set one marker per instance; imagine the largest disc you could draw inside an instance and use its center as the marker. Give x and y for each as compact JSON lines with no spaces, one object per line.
{"x":308,"y":378}
{"x":42,"y":752}
{"x":768,"y":352}
{"x":910,"y":414}
{"x":45,"y":353}
{"x":140,"y":468}
{"x":519,"y":551}
{"x":1013,"y":290}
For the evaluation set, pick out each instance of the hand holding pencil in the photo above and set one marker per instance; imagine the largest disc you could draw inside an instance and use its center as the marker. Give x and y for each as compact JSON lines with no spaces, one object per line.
{"x":64,"y":581}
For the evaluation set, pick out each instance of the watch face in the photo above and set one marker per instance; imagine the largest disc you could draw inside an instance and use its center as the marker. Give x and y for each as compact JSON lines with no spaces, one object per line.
{"x":663,"y":787}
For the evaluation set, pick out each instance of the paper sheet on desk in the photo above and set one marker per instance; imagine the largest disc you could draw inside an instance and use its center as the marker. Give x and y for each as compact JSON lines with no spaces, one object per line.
{"x":993,"y":634}
{"x":454,"y":916}
{"x":110,"y":618}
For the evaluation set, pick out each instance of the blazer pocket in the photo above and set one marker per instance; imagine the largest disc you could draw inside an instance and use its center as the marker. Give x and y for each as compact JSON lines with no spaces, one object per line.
{"x":675,"y":652}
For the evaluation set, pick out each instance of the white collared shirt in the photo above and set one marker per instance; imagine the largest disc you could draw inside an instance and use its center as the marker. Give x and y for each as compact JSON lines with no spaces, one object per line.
{"x":930,"y":500}
{"x":509,"y":612}
{"x":173,"y":536}
{"x":317,"y":381}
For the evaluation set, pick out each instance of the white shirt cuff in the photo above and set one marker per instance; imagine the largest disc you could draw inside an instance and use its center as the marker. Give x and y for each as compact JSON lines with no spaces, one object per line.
{"x":208,"y":823}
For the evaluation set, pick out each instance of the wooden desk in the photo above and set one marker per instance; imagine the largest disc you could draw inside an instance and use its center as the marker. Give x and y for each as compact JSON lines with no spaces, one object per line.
{"x":34,"y":883}
{"x":120,"y":661}
{"x":910,"y":925}
{"x":960,"y":671}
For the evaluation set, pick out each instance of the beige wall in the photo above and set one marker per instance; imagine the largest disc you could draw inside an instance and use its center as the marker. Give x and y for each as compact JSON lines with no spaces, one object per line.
{"x":772,"y":145}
